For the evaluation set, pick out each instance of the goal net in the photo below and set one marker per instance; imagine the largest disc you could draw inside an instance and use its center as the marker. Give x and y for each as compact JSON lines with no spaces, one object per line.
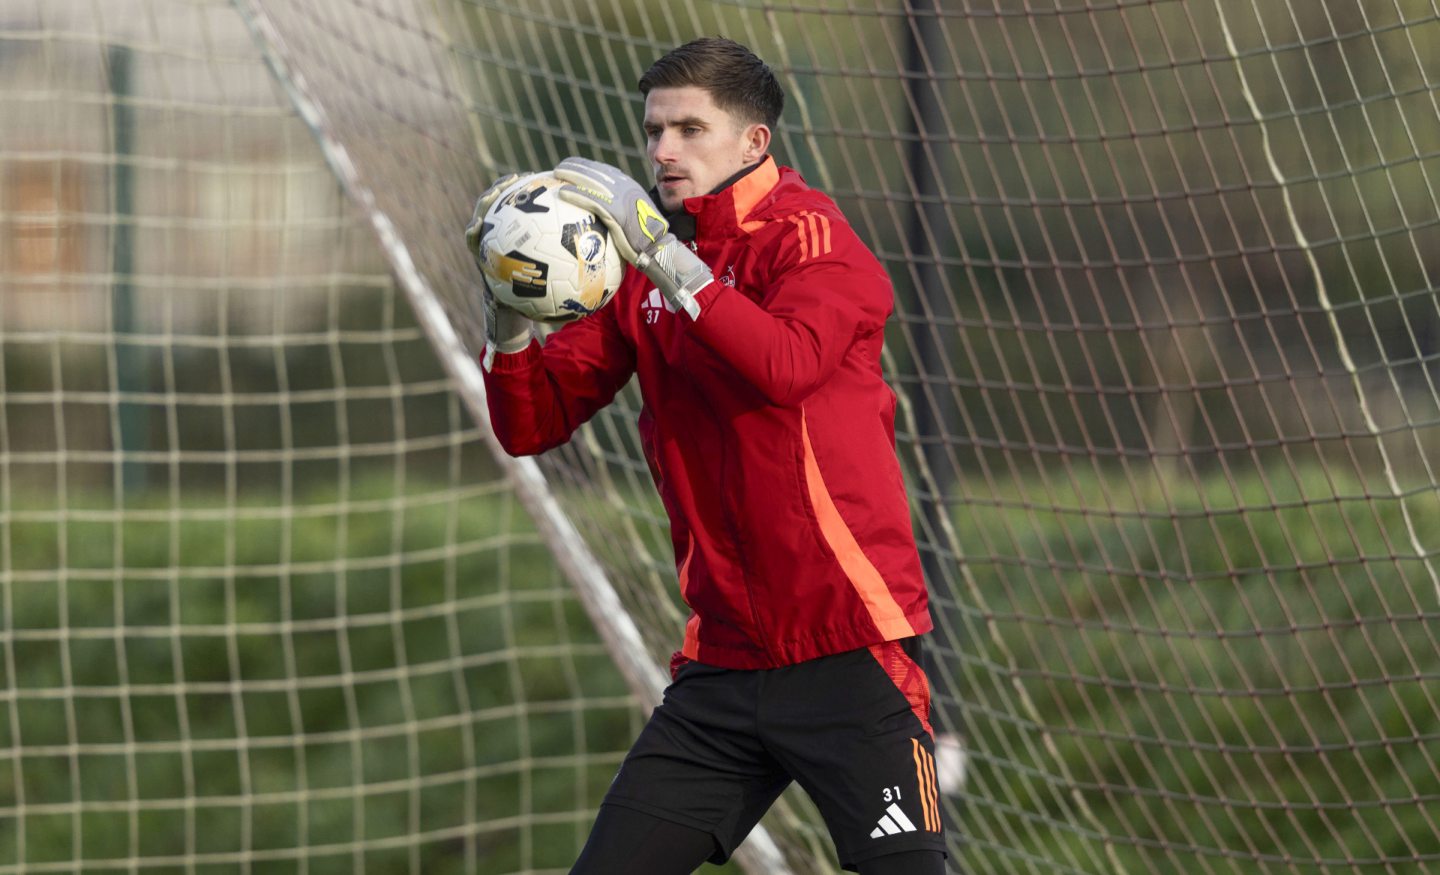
{"x":267,"y":603}
{"x":1166,"y":342}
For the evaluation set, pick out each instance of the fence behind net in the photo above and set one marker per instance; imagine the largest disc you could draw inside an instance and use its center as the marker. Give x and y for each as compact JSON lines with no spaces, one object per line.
{"x":267,"y":604}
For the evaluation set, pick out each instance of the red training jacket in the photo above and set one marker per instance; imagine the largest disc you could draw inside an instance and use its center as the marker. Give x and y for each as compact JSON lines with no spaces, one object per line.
{"x":766,"y":423}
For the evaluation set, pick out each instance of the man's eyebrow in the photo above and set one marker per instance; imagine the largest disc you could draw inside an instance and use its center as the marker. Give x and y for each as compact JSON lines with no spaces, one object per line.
{"x":679,"y":122}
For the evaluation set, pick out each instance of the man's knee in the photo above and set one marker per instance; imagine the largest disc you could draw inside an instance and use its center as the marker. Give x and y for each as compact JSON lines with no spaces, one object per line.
{"x":625,"y":841}
{"x":921,"y":862}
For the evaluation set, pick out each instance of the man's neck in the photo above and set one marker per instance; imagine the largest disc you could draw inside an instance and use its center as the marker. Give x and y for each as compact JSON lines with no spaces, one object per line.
{"x":682,"y":224}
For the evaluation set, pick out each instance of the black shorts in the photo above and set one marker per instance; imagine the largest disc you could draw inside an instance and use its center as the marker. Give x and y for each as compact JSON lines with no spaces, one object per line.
{"x":851,"y":728}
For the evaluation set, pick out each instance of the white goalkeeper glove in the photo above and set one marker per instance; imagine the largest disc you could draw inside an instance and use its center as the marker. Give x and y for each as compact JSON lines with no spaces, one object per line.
{"x":506,"y":330}
{"x":640,"y":233}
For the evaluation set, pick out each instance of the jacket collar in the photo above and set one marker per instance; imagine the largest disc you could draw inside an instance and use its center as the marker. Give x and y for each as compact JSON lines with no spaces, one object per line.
{"x":730,"y":204}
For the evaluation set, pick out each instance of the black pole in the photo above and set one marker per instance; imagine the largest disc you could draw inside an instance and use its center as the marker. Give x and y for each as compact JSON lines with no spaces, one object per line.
{"x":924,"y":48}
{"x":130,"y":362}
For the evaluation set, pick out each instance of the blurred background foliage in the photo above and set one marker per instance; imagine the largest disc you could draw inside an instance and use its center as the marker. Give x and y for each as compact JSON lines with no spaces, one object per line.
{"x":1165,"y":340}
{"x":1133,"y":232}
{"x":1127,"y":229}
{"x":342,"y":684}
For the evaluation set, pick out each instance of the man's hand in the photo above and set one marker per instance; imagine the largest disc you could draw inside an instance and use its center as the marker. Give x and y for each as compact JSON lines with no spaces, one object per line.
{"x":505,"y":329}
{"x":638,"y":230}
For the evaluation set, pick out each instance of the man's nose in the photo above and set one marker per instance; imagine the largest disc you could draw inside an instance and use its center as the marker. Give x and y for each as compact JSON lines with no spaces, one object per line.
{"x":664,"y":150}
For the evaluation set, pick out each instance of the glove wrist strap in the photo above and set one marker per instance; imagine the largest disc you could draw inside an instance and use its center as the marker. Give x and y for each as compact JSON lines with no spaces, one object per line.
{"x":677,"y":272}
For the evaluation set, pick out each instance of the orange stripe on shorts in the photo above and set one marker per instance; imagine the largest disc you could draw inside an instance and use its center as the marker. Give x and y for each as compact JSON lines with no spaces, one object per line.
{"x":925,"y":776}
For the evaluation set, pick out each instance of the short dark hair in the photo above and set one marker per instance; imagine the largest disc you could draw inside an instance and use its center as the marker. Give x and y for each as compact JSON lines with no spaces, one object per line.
{"x":738,"y":81}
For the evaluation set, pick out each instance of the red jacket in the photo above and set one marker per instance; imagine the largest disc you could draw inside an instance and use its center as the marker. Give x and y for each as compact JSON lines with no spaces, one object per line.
{"x":766,"y":423}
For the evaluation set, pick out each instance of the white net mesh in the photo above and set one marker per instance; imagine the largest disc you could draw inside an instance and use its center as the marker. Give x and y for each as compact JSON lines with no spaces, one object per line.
{"x":266,"y":602}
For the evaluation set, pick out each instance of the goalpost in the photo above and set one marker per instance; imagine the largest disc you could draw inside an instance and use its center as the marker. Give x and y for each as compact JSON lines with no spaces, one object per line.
{"x":1166,"y":343}
{"x":267,"y":602}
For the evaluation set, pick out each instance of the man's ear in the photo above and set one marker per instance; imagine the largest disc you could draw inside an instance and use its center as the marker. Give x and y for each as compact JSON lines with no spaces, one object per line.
{"x":757,"y":142}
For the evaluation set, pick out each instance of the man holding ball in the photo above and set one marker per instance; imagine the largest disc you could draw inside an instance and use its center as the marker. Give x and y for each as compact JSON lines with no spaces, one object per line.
{"x":754,"y":319}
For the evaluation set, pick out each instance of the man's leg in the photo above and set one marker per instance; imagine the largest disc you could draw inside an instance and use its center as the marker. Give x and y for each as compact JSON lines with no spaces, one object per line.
{"x":852,"y":730}
{"x":624,"y":841}
{"x":905,"y":863}
{"x":694,"y":783}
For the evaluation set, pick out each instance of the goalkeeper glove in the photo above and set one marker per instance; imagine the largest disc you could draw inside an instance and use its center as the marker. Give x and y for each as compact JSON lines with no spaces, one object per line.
{"x":505,"y":329}
{"x":640,"y":233}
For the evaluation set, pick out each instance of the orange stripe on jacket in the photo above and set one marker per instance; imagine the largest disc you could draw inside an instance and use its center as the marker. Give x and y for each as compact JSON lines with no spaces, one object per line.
{"x":750,"y":189}
{"x":799,"y":222}
{"x":813,"y":231}
{"x":884,"y":611}
{"x":691,"y":647}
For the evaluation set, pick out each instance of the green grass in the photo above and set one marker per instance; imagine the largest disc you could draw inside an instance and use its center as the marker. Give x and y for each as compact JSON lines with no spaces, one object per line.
{"x":1250,"y":672}
{"x":401,"y":682}
{"x":393,"y":682}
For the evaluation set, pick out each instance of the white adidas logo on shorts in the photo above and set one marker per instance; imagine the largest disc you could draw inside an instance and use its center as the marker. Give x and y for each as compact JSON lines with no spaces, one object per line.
{"x":891,"y":822}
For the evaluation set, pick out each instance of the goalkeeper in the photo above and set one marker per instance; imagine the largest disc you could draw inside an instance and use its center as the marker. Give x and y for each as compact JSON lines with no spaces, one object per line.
{"x":754,"y":319}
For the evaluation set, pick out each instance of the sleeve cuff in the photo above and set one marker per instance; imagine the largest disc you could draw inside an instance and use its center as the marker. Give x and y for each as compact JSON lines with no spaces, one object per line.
{"x":706,"y":296}
{"x":506,"y":362}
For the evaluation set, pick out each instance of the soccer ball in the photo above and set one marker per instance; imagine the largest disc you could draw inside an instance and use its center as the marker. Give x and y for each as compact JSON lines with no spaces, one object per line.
{"x":550,"y":260}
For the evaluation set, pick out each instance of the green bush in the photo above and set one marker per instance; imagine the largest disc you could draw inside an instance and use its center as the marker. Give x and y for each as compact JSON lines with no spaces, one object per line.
{"x":1246,"y":671}
{"x":393,"y":680}
{"x":401,"y":680}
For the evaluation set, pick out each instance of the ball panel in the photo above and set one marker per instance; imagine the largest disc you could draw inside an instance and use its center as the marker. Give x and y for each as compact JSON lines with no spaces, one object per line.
{"x":548,"y":259}
{"x":526,"y":278}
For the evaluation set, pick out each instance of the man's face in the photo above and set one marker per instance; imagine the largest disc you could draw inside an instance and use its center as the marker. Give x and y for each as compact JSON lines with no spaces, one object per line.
{"x":693,"y":145}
